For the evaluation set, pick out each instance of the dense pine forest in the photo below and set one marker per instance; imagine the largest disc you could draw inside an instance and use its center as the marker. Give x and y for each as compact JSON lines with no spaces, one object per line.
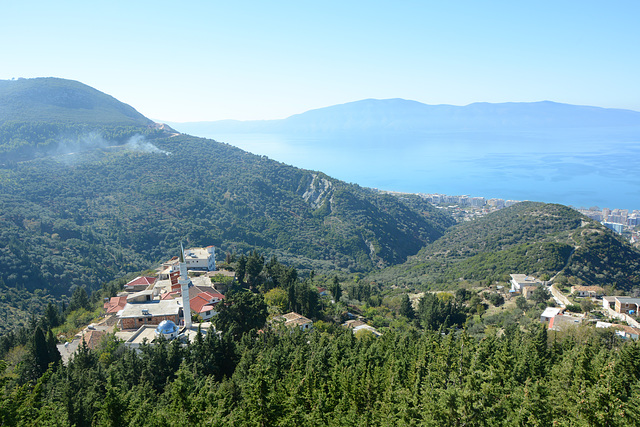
{"x":332,"y":377}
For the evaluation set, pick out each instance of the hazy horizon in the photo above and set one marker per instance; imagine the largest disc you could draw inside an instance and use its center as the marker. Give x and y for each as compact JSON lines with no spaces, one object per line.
{"x":206,"y":61}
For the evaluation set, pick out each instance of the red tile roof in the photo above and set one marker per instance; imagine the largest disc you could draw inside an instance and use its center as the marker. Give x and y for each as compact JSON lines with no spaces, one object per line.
{"x":169,"y":295}
{"x":115,"y":304}
{"x":93,"y":338}
{"x":202,"y":302}
{"x":142,"y":280}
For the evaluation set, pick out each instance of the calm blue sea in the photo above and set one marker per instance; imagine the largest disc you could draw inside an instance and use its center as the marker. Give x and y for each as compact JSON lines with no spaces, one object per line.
{"x":576,"y":167}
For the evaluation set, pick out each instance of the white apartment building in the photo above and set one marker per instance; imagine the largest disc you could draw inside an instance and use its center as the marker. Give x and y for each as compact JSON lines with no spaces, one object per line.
{"x":203,"y":259}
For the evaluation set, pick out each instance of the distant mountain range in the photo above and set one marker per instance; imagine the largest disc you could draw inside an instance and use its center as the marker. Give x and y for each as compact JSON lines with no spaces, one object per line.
{"x":394,"y":115}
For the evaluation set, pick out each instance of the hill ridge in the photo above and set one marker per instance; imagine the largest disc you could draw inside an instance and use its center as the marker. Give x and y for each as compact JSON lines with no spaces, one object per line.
{"x":53,"y":99}
{"x":398,"y":114}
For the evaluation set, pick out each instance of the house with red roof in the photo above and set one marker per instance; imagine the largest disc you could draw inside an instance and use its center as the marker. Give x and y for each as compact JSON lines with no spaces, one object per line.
{"x":115,"y":304}
{"x":202,"y":300}
{"x":204,"y":303}
{"x":140,"y":283}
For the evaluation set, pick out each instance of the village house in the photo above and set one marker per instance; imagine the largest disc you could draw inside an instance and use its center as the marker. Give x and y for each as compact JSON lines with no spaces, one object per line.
{"x":521,"y":283}
{"x":293,"y":319}
{"x":134,"y":315}
{"x":200,"y":259}
{"x":549,"y":313}
{"x":203,"y":299}
{"x":142,"y":296}
{"x":561,"y":322}
{"x":587,"y":291}
{"x":627,"y":305}
{"x":357,"y":325}
{"x":202,"y":305}
{"x":140,"y":283}
{"x":609,"y":302}
{"x":623,"y":331}
{"x":113,"y":305}
{"x":168,"y":267}
{"x":627,"y":332}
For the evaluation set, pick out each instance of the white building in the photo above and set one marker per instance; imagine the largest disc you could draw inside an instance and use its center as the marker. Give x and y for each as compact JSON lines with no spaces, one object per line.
{"x":202,"y":259}
{"x":609,"y":302}
{"x":549,"y":313}
{"x":523,"y":283}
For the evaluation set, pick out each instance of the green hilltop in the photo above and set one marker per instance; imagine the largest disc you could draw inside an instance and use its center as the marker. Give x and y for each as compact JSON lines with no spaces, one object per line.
{"x":44,"y":116}
{"x":54,"y":100}
{"x":530,"y":238}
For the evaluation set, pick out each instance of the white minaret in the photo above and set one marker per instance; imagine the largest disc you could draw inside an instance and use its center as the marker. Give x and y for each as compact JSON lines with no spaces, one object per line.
{"x":184,"y":289}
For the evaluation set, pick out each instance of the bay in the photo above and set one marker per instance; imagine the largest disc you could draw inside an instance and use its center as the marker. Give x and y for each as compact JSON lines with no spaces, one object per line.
{"x":579,"y":167}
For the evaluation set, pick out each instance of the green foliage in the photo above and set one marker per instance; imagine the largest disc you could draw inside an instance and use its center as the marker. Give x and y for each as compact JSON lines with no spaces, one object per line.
{"x":334,"y":378}
{"x":406,"y":309}
{"x":241,"y":312}
{"x":277,"y":297}
{"x":336,"y":289}
{"x":533,"y":238}
{"x":79,"y":299}
{"x":521,"y":303}
{"x":604,"y":258}
{"x":496,"y":299}
{"x":434,"y":313}
{"x":574,"y":308}
{"x":541,"y":294}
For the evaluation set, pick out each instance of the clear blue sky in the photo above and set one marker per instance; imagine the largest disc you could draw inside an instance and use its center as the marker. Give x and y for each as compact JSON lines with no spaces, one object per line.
{"x":212,"y":60}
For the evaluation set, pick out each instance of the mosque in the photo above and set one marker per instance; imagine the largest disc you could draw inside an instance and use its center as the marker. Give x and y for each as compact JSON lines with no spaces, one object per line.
{"x":165,"y":309}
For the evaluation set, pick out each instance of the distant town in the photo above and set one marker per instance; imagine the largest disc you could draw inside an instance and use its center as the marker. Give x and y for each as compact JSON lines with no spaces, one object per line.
{"x":466,"y":208}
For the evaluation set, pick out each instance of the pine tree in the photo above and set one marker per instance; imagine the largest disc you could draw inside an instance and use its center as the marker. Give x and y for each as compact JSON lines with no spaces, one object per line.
{"x":79,"y":299}
{"x":406,"y":309}
{"x":241,"y":268}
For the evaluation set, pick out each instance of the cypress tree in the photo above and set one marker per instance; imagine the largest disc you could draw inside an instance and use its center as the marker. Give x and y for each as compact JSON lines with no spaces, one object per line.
{"x":52,"y":349}
{"x":336,"y":289}
{"x":40,"y":352}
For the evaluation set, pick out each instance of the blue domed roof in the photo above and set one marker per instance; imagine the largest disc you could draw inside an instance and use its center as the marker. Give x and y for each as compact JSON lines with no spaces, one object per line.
{"x":167,"y":327}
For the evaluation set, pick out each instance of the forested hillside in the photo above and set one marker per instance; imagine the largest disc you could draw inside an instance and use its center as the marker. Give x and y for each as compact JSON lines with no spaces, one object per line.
{"x":49,"y":116}
{"x":529,"y":238}
{"x":91,"y":190}
{"x":336,"y":379}
{"x":80,"y":220}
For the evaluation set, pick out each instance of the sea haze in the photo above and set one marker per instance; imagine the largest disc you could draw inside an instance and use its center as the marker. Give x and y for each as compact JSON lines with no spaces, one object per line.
{"x":522,"y":153}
